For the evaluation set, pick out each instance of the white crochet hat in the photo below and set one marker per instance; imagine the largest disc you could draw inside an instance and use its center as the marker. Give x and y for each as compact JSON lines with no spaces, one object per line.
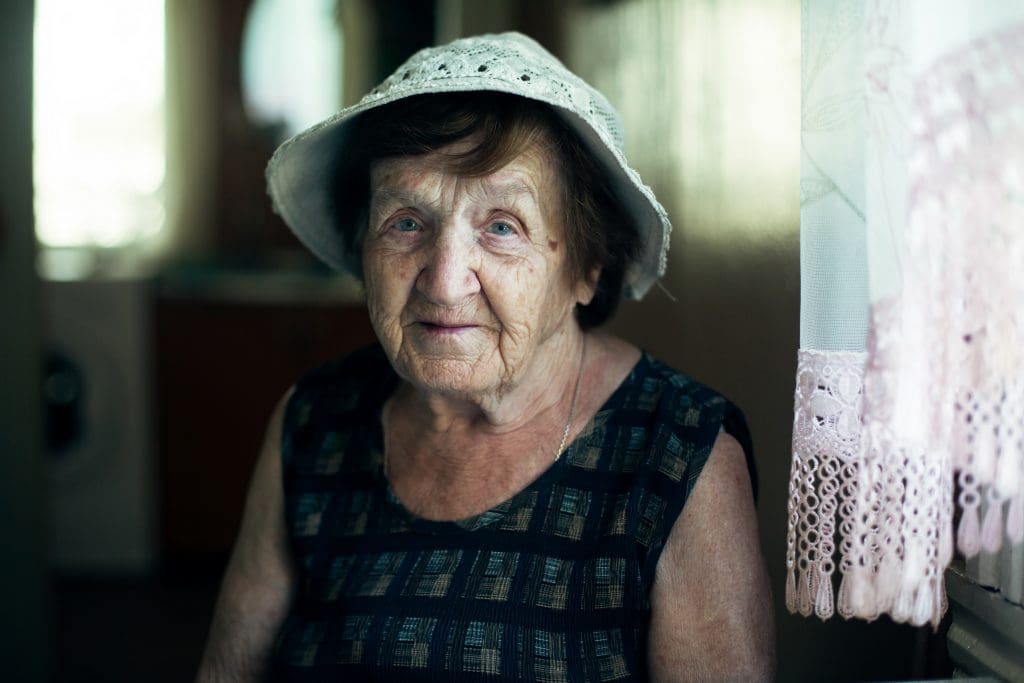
{"x":299,"y":175}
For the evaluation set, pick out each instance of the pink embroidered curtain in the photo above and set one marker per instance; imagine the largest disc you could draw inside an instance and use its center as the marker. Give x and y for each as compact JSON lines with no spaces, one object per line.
{"x":909,"y":402}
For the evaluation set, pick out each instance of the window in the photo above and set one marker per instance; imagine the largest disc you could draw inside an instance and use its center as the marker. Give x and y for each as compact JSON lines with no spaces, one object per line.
{"x":284,"y":86}
{"x":99,"y":122}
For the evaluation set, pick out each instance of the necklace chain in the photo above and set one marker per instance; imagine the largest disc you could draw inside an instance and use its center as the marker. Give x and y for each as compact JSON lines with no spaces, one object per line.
{"x":572,"y":405}
{"x":568,"y":422}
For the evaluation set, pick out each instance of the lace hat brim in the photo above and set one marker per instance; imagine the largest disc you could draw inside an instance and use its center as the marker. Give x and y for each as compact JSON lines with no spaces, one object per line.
{"x":300,"y":175}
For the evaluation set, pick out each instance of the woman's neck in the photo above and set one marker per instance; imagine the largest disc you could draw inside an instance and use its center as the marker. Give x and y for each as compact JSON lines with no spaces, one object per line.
{"x":448,"y":466}
{"x":545,"y":386}
{"x":449,"y":459}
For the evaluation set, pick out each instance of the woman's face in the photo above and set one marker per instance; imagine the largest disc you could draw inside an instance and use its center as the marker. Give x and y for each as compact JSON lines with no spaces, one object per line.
{"x":466,"y":281}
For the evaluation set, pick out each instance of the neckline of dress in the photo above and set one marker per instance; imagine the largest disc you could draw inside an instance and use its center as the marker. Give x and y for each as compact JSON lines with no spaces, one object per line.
{"x":552,"y":475}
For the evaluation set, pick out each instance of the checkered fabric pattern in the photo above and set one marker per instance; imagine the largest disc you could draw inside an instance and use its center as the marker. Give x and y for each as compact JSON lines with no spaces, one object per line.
{"x":551,"y":585}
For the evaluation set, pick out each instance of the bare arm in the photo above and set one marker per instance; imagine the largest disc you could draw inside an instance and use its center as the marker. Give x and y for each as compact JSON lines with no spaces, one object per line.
{"x":257,"y":587}
{"x":711,"y":606}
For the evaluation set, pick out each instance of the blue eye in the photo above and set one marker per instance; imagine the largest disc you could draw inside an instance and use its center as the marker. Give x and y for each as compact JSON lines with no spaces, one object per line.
{"x":406,"y":225}
{"x":500,"y":229}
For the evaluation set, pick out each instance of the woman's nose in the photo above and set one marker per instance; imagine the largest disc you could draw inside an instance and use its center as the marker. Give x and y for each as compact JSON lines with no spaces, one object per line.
{"x":448,"y":276}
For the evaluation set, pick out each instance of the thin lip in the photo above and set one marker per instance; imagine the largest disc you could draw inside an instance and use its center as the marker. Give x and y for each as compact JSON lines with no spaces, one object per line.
{"x":446,"y":325}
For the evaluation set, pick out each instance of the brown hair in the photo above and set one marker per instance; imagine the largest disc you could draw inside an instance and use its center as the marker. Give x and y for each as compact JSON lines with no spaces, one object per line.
{"x":599,"y":233}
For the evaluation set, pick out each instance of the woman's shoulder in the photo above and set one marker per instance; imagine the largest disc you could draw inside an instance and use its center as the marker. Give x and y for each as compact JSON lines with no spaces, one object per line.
{"x":673,"y":389}
{"x":652,"y":395}
{"x":688,"y":415}
{"x":348,"y":387}
{"x":359,"y":366}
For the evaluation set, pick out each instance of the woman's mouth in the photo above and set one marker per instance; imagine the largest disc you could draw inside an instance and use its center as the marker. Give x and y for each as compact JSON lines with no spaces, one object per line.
{"x":445,"y":327}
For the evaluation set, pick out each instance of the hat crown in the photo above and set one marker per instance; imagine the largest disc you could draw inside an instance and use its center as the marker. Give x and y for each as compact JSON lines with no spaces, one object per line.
{"x":507,"y":62}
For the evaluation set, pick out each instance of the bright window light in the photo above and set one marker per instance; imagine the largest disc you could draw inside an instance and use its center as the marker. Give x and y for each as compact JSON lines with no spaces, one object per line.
{"x":99,"y":122}
{"x":284,"y":86}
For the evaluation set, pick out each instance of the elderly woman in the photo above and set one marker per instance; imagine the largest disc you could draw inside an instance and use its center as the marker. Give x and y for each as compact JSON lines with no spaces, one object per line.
{"x":498,"y":490}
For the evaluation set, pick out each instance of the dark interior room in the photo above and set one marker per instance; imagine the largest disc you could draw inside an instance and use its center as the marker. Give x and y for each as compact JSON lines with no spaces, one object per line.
{"x":156,"y":309}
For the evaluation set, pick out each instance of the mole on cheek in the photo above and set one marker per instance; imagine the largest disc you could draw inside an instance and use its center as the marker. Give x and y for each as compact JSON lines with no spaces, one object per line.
{"x":553,"y":245}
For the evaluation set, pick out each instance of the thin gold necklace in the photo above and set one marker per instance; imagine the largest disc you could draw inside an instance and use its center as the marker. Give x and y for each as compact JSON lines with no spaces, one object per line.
{"x":572,"y":406}
{"x":568,"y":422}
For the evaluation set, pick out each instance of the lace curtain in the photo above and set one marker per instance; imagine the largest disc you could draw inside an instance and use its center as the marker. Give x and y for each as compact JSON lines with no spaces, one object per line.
{"x":909,"y":402}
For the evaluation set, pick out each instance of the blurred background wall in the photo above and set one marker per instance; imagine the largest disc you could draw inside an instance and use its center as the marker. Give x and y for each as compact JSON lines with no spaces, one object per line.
{"x":161,"y":356}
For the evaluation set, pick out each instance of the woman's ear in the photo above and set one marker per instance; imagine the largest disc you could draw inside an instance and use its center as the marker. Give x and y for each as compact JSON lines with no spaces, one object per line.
{"x":587,"y":287}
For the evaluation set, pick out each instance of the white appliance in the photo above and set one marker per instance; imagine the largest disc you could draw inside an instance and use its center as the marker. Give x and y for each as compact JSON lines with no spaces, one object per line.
{"x":99,"y":390}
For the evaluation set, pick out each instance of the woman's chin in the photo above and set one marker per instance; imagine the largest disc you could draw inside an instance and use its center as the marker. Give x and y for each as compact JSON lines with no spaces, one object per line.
{"x":453,"y":377}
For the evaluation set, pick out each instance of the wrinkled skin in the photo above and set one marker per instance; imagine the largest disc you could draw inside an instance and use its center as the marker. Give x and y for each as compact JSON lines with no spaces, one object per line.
{"x":466,"y":278}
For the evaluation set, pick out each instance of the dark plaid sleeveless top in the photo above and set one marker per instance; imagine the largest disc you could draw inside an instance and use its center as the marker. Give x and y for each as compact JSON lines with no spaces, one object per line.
{"x":551,"y":585}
